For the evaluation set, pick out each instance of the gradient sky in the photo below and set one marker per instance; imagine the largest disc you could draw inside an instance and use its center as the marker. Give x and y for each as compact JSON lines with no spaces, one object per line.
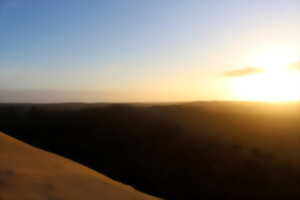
{"x":133,"y":50}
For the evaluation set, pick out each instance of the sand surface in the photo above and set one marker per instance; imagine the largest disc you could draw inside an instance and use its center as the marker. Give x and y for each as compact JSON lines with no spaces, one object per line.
{"x":27,"y":173}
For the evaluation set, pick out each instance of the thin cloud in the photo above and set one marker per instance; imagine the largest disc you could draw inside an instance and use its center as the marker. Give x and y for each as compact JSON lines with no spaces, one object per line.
{"x":243,"y":72}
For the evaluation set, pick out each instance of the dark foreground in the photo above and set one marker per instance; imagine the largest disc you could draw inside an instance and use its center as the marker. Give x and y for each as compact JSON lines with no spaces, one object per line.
{"x":211,"y":150}
{"x":33,"y":174}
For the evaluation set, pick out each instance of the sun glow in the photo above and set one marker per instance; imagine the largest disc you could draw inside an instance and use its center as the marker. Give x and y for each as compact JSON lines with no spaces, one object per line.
{"x":274,"y":58}
{"x":276,"y":83}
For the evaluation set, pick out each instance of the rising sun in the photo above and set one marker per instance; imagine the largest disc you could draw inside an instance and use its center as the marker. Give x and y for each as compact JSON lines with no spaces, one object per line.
{"x":276,"y":81}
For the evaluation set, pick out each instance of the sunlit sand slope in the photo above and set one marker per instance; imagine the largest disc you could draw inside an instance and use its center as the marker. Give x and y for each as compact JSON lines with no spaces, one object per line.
{"x":32,"y":174}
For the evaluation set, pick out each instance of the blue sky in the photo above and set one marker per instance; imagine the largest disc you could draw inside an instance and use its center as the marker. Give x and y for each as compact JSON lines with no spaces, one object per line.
{"x":132,"y":50}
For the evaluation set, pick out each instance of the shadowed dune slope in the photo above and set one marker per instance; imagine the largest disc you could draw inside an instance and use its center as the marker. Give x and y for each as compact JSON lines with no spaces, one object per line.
{"x":29,"y":173}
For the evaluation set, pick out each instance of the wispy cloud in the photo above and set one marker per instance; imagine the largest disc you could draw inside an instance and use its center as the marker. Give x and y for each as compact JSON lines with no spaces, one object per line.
{"x":247,"y":71}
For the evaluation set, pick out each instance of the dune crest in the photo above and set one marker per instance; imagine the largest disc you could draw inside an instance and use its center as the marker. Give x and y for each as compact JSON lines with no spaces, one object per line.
{"x":30,"y":173}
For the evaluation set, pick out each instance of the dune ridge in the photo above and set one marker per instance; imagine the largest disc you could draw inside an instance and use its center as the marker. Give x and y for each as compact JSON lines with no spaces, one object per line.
{"x":30,"y":173}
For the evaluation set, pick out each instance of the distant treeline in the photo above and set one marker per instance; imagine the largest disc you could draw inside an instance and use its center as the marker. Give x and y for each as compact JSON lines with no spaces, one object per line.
{"x":179,"y":151}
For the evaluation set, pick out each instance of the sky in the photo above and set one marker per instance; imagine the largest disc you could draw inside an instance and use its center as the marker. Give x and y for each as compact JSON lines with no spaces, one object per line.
{"x":133,"y":51}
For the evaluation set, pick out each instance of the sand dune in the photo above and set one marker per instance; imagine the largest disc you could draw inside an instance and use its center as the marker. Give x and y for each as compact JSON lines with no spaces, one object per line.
{"x":29,"y":173}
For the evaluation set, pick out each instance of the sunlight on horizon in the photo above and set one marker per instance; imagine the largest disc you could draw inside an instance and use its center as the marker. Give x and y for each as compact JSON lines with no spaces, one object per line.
{"x":276,"y":83}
